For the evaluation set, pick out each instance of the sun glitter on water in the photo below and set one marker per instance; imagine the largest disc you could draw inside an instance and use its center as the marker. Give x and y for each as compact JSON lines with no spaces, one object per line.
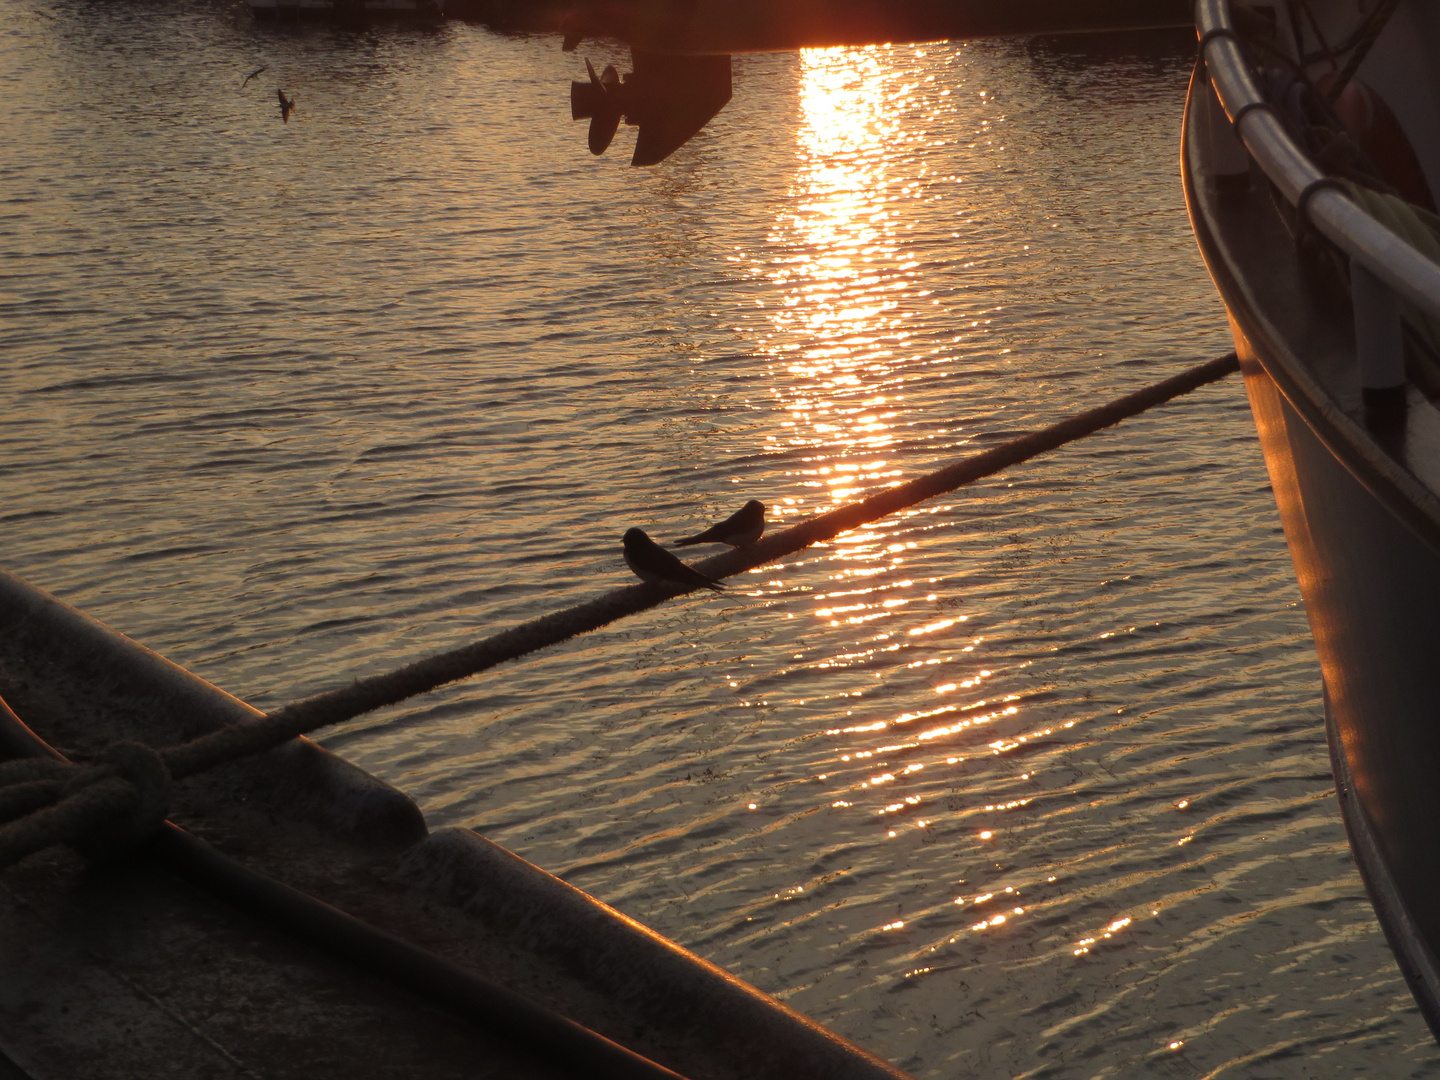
{"x":839,"y":328}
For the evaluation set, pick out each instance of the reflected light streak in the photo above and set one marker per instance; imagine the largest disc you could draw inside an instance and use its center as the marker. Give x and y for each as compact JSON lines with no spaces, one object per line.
{"x":842,"y":323}
{"x":835,"y":259}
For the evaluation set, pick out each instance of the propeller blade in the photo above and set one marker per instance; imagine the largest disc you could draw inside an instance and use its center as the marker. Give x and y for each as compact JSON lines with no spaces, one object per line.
{"x":605,"y":109}
{"x":602,"y":129}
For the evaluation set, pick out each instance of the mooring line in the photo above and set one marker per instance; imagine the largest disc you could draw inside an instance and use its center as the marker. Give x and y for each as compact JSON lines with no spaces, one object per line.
{"x":376,"y":691}
{"x":125,"y":795}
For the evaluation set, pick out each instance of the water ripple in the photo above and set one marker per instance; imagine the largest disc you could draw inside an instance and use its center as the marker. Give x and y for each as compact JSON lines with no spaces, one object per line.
{"x":1026,"y":781}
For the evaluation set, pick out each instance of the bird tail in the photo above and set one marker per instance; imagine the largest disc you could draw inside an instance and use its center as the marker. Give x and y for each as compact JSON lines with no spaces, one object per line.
{"x":698,"y":538}
{"x":715,"y":586}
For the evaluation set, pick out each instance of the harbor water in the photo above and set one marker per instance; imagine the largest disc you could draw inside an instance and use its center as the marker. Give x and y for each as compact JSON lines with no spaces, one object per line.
{"x":1027,"y":781}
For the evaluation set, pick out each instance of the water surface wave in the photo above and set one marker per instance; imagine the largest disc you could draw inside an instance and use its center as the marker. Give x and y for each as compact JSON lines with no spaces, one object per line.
{"x":1026,"y":781}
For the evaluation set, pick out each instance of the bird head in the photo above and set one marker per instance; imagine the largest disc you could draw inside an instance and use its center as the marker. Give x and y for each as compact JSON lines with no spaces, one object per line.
{"x":635,"y":536}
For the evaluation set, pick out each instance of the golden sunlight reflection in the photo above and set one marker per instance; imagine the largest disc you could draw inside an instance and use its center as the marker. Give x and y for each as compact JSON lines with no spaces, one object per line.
{"x":843,"y":320}
{"x":839,"y":324}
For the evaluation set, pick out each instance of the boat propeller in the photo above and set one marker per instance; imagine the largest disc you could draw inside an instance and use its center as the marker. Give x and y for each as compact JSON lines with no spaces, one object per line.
{"x":669,"y":98}
{"x":601,"y":101}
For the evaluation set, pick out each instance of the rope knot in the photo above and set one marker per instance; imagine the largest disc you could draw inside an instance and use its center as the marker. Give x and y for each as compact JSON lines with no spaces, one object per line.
{"x":143,"y":769}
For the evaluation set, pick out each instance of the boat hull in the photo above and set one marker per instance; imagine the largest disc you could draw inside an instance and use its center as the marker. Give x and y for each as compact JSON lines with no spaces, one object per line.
{"x":1360,"y":531}
{"x":363,"y":11}
{"x":1356,"y":563}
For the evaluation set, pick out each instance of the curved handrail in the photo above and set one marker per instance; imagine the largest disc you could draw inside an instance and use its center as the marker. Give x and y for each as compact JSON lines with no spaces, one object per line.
{"x":1410,"y":274}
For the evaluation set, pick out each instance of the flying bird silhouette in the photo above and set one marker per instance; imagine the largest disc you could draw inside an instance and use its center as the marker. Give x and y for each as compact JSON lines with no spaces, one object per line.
{"x":654,"y":564}
{"x":287,"y":105}
{"x":743,"y":527}
{"x":257,"y":71}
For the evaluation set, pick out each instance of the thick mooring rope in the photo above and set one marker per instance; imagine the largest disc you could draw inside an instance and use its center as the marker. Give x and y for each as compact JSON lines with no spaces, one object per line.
{"x":121,"y":797}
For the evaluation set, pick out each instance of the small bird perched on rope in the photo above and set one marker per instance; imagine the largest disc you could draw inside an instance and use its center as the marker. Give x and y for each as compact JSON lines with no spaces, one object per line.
{"x":287,"y":105}
{"x":257,"y":71}
{"x":654,"y":564}
{"x":743,"y":527}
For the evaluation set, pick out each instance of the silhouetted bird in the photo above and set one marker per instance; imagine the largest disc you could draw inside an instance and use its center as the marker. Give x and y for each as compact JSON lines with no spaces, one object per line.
{"x":654,"y":564}
{"x":257,"y":71}
{"x":287,"y":105}
{"x":742,"y":527}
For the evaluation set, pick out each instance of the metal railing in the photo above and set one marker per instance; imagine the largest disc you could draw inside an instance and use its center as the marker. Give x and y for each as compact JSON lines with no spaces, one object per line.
{"x":1381,"y":262}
